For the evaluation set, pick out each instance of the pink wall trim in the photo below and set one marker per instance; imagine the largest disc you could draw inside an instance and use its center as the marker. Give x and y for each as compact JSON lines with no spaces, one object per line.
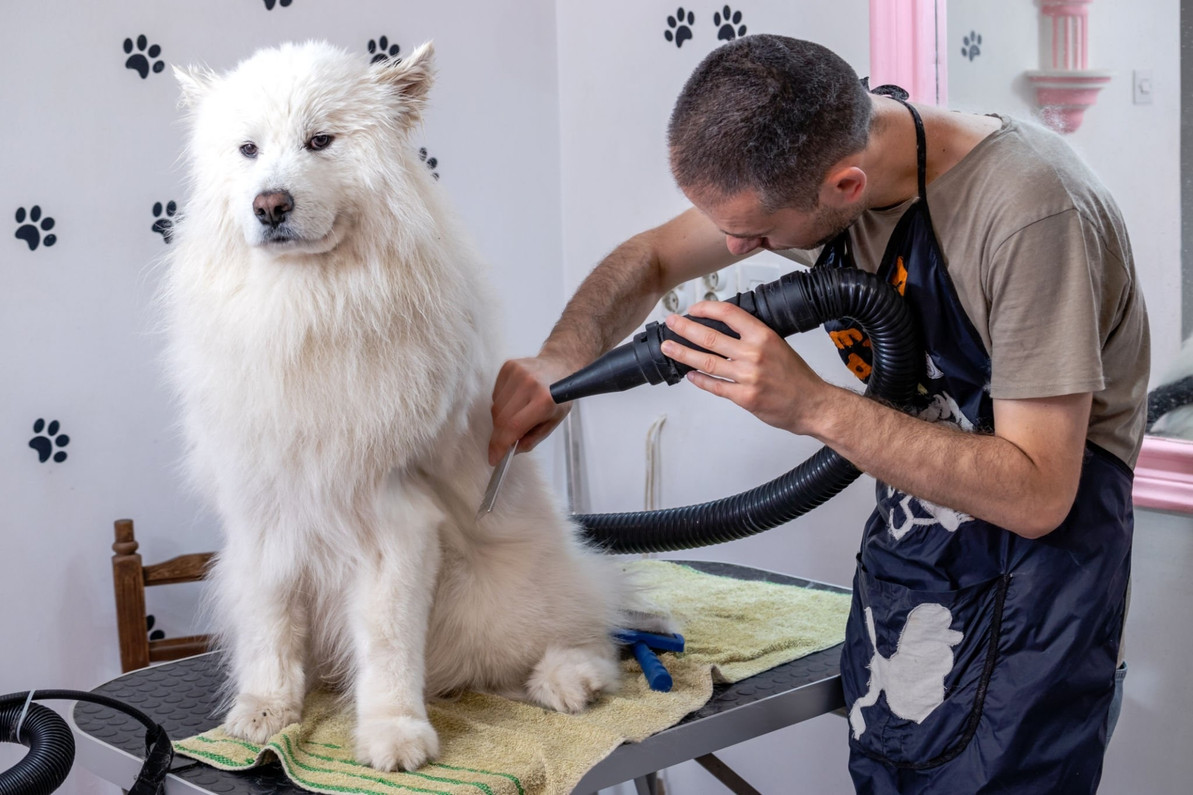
{"x":905,"y":39}
{"x":1164,"y":475}
{"x":1064,"y":96}
{"x":1065,"y":85}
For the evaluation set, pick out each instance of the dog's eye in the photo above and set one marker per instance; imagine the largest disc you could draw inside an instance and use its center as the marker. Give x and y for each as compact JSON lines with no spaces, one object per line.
{"x":320,"y":141}
{"x":249,"y":150}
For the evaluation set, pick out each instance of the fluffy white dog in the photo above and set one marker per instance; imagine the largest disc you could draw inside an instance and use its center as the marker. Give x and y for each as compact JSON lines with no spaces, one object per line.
{"x":332,"y":339}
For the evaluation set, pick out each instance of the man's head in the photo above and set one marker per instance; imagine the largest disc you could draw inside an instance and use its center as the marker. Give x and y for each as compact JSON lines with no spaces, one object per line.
{"x":768,"y":116}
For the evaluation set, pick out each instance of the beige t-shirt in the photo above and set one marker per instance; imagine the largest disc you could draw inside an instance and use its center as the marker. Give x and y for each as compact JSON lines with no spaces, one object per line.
{"x":1039,"y":256}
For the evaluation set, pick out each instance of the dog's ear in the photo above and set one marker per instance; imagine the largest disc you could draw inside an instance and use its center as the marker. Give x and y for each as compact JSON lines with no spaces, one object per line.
{"x":195,"y":82}
{"x":410,"y":78}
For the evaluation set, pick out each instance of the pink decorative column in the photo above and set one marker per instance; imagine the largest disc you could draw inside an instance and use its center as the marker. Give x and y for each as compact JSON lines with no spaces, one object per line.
{"x":907,"y":46}
{"x":1065,"y":85}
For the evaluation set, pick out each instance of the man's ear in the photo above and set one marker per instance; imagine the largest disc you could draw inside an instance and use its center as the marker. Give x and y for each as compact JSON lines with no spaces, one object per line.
{"x":195,"y":82}
{"x":845,"y":185}
{"x":410,"y":79}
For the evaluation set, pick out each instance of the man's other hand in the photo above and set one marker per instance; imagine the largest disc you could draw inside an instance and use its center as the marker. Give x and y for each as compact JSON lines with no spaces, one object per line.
{"x":523,"y":411}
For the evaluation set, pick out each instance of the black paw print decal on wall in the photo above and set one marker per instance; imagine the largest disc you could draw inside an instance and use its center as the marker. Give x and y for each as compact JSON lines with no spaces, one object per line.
{"x":47,"y":440}
{"x":164,"y":224}
{"x":971,"y":45}
{"x":31,"y":232}
{"x":382,"y":50}
{"x":139,"y":61}
{"x":728,"y":24}
{"x":154,"y":634}
{"x":432,"y":162}
{"x":269,"y":4}
{"x":680,"y":27}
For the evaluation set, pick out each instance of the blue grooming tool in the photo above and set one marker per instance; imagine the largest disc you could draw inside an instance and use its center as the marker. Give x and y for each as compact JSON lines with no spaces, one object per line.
{"x":644,"y":645}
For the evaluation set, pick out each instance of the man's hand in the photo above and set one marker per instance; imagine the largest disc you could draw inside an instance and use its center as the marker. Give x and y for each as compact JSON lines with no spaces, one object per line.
{"x":523,"y":411}
{"x":760,"y":371}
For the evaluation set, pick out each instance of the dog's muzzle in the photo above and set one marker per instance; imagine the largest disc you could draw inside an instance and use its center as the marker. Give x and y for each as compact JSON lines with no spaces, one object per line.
{"x":272,"y":208}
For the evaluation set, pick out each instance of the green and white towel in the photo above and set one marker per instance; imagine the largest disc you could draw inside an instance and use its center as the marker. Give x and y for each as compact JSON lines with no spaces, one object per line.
{"x":490,"y":745}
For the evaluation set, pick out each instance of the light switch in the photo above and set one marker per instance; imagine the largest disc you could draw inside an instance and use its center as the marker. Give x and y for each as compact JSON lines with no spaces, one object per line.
{"x":1143,"y":86}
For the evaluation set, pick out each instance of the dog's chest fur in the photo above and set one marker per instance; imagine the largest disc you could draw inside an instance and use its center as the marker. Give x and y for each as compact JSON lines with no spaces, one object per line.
{"x":320,"y":361}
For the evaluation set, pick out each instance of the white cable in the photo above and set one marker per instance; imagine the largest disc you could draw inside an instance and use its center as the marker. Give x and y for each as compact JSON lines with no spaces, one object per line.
{"x":16,"y":733}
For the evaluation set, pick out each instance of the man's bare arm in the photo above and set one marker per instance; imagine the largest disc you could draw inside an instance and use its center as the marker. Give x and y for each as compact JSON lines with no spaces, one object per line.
{"x":611,"y":302}
{"x":1023,"y":477}
{"x":620,"y":292}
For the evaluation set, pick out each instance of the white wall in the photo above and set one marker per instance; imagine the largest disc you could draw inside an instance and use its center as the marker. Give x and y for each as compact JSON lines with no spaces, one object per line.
{"x":548,"y":123}
{"x":95,"y":146}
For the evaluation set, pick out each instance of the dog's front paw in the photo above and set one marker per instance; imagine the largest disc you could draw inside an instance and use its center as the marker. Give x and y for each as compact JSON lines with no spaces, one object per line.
{"x":566,"y":680}
{"x":256,"y":719}
{"x":403,"y":742}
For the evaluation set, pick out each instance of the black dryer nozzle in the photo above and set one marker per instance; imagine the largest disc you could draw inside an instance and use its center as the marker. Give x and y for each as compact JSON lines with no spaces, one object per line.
{"x":640,"y":361}
{"x":784,"y":305}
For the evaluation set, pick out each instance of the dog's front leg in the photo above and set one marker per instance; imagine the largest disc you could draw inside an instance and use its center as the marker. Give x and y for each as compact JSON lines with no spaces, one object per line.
{"x":390,"y":618}
{"x":258,"y":593}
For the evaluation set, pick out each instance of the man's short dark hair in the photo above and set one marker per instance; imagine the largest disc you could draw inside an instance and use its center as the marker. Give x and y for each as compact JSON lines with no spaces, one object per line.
{"x":768,"y":113}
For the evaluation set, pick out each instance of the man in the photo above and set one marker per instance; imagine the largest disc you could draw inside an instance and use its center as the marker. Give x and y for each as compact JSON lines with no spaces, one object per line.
{"x":984,"y":637}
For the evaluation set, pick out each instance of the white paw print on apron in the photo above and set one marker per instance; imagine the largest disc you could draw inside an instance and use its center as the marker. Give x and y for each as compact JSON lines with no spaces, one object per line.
{"x":912,"y":677}
{"x":907,"y":514}
{"x":943,"y":408}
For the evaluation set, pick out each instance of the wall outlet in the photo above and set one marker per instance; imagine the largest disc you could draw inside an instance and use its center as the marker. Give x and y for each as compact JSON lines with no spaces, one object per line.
{"x":676,"y":300}
{"x":718,"y":285}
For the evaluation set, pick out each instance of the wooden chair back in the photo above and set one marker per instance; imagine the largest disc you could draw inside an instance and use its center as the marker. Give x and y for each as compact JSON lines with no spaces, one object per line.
{"x":130,"y":578}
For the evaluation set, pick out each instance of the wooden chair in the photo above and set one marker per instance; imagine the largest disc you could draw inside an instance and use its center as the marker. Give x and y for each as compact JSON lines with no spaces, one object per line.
{"x":130,"y":579}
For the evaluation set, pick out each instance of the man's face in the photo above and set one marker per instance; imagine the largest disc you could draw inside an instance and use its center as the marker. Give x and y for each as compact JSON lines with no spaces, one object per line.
{"x":748,"y":226}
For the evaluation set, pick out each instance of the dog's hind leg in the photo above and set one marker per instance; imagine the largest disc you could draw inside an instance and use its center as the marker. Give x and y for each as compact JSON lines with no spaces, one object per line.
{"x":390,"y":615}
{"x":566,"y":679}
{"x":266,"y":638}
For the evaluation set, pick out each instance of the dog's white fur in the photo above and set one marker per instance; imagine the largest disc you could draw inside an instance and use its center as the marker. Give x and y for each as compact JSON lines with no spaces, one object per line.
{"x":335,"y":375}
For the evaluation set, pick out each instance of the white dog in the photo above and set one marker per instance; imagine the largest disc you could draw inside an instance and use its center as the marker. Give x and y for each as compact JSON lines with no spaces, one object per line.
{"x":332,"y":339}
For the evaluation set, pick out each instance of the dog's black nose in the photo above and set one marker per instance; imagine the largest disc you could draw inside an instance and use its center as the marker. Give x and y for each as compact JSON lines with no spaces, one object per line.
{"x":272,"y":207}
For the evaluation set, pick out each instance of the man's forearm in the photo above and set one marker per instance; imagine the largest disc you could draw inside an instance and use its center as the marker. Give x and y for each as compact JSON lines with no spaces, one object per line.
{"x":984,"y":475}
{"x":610,"y":303}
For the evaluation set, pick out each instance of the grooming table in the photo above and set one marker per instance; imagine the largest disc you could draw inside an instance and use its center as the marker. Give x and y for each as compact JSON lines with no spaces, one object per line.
{"x":182,"y":696}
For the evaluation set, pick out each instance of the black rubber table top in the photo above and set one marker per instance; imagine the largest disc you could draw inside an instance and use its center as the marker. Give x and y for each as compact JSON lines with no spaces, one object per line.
{"x":183,"y":697}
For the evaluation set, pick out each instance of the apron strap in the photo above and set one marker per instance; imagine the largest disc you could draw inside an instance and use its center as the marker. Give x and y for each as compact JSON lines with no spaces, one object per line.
{"x":921,"y":147}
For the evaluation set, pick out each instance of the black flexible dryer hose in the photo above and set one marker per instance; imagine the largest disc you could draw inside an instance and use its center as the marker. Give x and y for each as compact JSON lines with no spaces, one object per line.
{"x":51,"y":750}
{"x":798,"y":301}
{"x":52,"y":746}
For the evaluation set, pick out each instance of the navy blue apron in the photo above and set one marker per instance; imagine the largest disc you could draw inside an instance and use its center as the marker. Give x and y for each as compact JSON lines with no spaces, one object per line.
{"x":976,"y":660}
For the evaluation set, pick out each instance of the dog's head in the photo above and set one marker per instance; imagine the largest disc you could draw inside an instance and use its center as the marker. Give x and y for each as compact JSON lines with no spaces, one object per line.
{"x":292,"y":145}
